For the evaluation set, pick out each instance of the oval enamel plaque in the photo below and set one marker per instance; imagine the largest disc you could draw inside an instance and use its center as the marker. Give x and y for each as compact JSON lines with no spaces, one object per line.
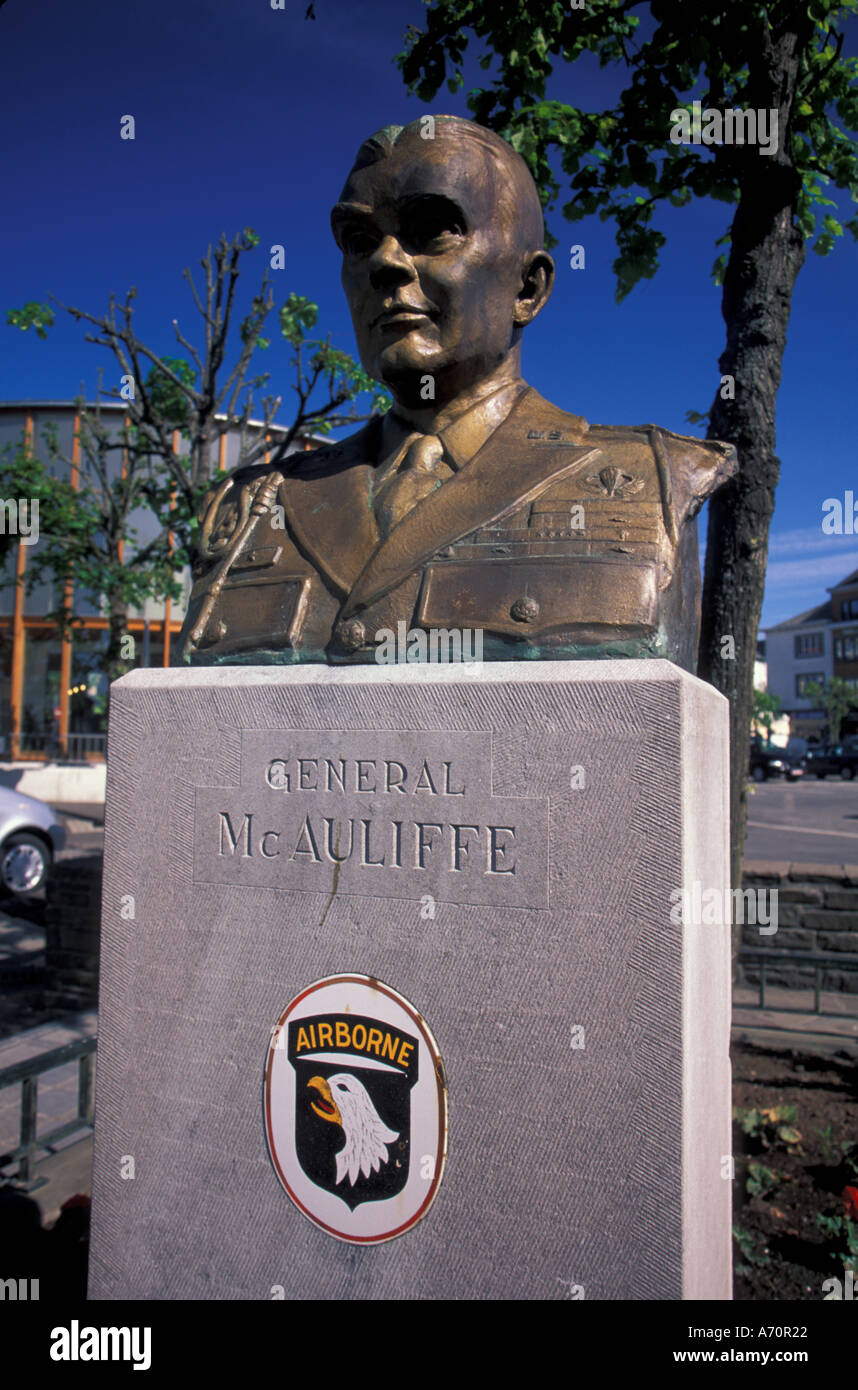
{"x":356,"y":1108}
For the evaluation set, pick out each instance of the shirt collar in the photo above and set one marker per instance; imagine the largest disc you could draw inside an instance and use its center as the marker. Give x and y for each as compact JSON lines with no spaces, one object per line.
{"x":463,"y":437}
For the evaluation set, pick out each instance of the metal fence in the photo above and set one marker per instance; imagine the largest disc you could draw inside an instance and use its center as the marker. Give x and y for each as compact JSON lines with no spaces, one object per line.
{"x":83,"y":746}
{"x":818,"y":962}
{"x":78,"y":748}
{"x":28,"y":1073}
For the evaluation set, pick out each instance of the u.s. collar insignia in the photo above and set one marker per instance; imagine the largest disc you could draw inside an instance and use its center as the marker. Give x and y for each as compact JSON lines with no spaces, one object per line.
{"x":356,"y":1108}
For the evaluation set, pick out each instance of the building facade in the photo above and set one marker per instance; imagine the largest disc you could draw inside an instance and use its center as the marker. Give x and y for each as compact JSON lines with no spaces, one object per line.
{"x":52,"y":687}
{"x":811,"y":648}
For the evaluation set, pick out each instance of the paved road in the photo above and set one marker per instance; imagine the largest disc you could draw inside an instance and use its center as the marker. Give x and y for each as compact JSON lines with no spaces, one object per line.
{"x":809,"y":821}
{"x":85,"y":834}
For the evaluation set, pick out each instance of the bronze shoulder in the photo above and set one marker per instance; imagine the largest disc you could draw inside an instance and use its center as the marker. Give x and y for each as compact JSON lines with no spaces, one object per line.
{"x":689,"y":469}
{"x":701,"y":466}
{"x":229,"y":506}
{"x":669,"y":439}
{"x":231,"y":500}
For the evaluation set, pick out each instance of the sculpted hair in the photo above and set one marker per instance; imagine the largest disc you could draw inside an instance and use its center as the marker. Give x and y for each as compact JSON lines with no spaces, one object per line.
{"x":516,"y":180}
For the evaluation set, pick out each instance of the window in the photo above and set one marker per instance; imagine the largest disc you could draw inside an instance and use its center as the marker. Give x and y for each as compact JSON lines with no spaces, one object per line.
{"x":849,"y":608}
{"x":846,"y":646}
{"x":810,"y":644}
{"x":40,"y":711}
{"x":88,"y":690}
{"x":5,"y":687}
{"x":802,"y":682}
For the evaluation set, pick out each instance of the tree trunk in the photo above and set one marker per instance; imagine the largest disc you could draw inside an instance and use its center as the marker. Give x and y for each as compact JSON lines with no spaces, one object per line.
{"x":766,"y":255}
{"x":116,"y":663}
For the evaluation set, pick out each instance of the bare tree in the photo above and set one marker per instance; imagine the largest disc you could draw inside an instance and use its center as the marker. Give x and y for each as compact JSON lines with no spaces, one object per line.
{"x":203,"y":395}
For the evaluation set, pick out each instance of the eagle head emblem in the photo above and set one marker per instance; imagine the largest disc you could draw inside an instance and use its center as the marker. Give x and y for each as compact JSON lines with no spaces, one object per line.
{"x":343,"y":1100}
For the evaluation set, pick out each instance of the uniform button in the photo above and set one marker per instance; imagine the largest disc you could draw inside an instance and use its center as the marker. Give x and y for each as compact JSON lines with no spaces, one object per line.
{"x":351,"y":635}
{"x":525,"y":610}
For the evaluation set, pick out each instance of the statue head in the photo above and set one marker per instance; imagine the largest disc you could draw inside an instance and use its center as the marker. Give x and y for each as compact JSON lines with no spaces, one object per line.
{"x":441,"y":231}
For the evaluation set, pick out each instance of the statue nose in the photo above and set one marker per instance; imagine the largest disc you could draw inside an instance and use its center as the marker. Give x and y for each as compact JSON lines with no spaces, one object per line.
{"x":390,"y":264}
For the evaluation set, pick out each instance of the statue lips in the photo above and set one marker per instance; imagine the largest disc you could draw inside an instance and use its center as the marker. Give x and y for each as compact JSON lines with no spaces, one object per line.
{"x":406,"y":316}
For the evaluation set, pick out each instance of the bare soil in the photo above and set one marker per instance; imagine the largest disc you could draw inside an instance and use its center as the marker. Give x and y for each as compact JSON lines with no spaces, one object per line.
{"x":783,"y":1253}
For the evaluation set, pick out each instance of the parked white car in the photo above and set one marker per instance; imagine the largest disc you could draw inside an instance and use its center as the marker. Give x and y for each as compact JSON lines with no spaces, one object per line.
{"x":30,"y":837}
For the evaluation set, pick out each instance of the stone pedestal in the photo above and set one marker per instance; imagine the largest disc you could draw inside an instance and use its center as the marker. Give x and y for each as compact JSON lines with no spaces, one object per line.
{"x":551,"y":815}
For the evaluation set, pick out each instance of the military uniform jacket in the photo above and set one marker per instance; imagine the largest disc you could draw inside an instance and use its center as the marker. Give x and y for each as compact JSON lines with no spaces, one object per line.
{"x":556,"y":540}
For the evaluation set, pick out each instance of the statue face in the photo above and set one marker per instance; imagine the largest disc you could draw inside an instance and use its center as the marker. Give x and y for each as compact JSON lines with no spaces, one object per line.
{"x":432,"y":264}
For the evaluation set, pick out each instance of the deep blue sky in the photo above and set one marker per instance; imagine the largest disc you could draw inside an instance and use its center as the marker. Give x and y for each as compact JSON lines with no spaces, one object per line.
{"x":250,"y":116}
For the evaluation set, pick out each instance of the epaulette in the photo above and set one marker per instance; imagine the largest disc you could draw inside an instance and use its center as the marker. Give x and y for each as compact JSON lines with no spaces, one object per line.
{"x":628,"y":432}
{"x":636,"y":431}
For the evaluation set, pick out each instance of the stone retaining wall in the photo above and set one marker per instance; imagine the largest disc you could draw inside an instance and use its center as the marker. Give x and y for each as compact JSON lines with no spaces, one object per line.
{"x":817,"y":913}
{"x":72,"y":918}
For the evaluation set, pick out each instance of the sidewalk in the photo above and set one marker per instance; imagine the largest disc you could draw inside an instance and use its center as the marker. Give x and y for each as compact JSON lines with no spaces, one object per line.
{"x":22,"y":941}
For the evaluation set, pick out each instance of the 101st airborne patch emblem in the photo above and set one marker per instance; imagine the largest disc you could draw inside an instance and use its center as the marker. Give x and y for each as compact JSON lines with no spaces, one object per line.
{"x":356,"y":1108}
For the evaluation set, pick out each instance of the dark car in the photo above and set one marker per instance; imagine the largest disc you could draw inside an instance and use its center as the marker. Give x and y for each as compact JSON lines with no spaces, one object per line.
{"x":767,"y":761}
{"x":796,"y":763}
{"x":835,"y":759}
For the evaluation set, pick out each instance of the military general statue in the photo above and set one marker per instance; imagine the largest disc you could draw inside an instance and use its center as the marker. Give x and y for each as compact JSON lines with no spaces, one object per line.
{"x":473,"y":503}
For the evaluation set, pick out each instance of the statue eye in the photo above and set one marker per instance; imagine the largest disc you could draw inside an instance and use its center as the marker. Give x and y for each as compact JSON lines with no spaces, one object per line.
{"x":432,"y":219}
{"x":357,"y":241}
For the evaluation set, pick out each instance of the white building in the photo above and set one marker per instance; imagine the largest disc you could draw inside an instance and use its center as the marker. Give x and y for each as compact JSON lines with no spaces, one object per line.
{"x":815,"y":646}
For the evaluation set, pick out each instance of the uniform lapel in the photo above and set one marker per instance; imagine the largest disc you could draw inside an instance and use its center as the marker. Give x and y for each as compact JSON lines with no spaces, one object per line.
{"x":329,"y":510}
{"x":513,"y":467}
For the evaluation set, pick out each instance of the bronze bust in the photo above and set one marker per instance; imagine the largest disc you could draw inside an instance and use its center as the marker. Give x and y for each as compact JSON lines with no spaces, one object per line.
{"x":473,"y":504}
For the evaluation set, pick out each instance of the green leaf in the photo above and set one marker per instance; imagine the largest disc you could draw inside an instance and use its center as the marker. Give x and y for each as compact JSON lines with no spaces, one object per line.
{"x":705,"y":52}
{"x":166,"y":398}
{"x":33,"y":315}
{"x":297,"y":315}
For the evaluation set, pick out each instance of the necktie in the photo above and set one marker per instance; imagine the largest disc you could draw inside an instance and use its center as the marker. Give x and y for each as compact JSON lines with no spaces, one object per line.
{"x":422,"y":470}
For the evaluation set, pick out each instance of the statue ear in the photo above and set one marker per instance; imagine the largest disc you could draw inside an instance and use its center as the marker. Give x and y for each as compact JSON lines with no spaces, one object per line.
{"x":537,"y":282}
